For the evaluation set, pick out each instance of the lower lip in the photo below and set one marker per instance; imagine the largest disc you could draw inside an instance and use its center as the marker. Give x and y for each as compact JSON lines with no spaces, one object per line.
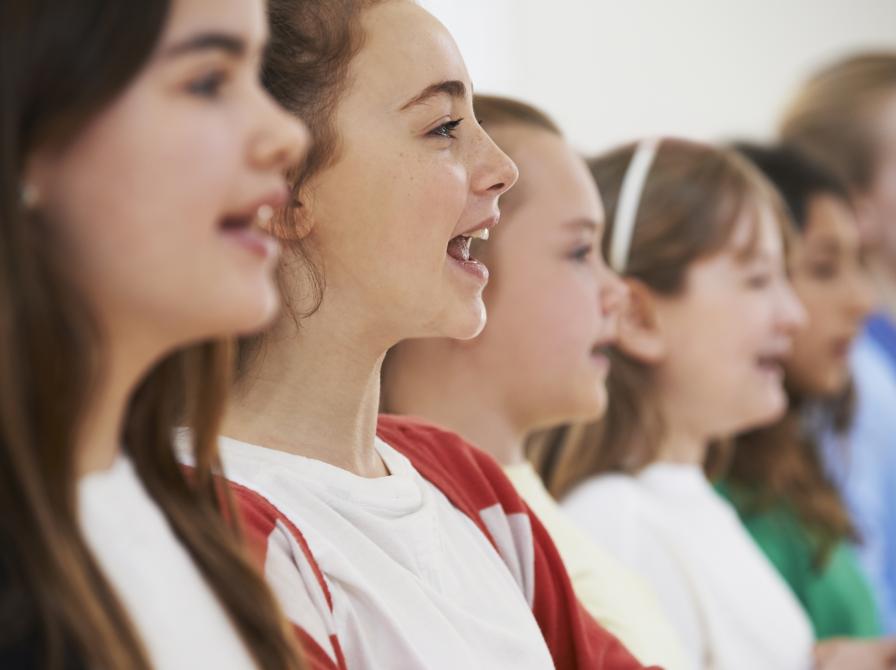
{"x":256,"y":242}
{"x":601,"y":362}
{"x":773,"y":371}
{"x":473,"y":268}
{"x":841,"y":349}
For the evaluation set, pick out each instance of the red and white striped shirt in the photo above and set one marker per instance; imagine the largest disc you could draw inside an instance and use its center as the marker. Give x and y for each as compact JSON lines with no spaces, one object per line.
{"x":468,"y":576}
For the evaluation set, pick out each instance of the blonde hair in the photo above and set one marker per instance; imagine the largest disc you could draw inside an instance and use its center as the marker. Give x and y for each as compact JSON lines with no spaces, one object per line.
{"x":831,"y":119}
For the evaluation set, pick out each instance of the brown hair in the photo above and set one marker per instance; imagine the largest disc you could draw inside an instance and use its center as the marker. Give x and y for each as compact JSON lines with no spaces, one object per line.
{"x":831,"y":118}
{"x":306,"y":69}
{"x":55,"y":601}
{"x":780,"y":463}
{"x":690,"y":206}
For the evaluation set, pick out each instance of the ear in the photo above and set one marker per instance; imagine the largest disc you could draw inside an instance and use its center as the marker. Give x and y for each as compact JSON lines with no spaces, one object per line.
{"x":294,"y":223}
{"x":640,"y":333}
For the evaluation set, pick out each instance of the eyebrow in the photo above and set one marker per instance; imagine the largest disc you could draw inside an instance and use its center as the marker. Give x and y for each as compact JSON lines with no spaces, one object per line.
{"x":453,"y":88}
{"x":590,"y":225}
{"x":230,"y":44}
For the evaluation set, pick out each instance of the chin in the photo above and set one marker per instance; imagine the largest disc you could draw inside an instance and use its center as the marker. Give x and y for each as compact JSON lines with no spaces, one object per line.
{"x":464,"y":323}
{"x":256,"y":313}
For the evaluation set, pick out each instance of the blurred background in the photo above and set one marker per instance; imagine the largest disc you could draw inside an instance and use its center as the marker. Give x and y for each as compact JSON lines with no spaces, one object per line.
{"x":612,"y":71}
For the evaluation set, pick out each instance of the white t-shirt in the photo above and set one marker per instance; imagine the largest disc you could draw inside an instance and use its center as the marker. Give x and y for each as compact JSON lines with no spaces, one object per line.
{"x":732,"y":609}
{"x":414,"y":583}
{"x":176,"y":614}
{"x":616,"y":596}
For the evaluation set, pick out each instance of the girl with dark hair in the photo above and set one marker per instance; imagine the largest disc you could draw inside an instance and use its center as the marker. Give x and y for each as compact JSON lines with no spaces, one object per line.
{"x":138,"y":159}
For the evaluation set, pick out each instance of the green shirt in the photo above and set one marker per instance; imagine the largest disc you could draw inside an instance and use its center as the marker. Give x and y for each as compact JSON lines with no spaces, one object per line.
{"x":836,"y":596}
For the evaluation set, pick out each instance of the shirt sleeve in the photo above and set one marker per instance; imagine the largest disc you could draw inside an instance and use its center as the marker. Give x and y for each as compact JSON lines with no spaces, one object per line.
{"x":293,"y":577}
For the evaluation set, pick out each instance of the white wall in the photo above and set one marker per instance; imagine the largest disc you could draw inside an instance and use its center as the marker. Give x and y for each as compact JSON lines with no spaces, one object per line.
{"x":611,"y":71}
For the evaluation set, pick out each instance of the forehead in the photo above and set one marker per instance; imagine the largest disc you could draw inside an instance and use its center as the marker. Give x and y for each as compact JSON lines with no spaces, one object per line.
{"x":243,"y":18}
{"x":829,"y":218}
{"x":757,"y":233}
{"x":405,"y":49}
{"x":552,"y":175}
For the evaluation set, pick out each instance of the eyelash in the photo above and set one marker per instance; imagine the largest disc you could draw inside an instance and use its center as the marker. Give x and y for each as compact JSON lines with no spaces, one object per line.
{"x":446,"y":130}
{"x":582,"y":254}
{"x":759,"y":280}
{"x":209,"y":85}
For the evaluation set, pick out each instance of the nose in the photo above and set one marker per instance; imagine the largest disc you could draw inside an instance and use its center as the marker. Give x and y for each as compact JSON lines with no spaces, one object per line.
{"x":282,"y":140}
{"x":494,"y":172}
{"x":791,"y":314}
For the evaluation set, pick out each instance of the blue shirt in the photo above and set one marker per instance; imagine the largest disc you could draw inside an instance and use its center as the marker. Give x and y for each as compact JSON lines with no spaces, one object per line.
{"x":863,"y":463}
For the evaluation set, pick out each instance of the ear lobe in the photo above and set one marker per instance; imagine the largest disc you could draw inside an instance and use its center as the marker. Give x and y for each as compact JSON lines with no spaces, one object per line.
{"x":291,"y":224}
{"x":640,"y":332}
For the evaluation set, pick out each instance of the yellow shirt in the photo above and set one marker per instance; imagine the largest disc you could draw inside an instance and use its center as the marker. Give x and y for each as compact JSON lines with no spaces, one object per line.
{"x":614,"y":595}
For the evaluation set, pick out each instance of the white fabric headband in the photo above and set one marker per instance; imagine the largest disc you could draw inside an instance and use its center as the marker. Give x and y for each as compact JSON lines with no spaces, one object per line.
{"x":629,"y":200}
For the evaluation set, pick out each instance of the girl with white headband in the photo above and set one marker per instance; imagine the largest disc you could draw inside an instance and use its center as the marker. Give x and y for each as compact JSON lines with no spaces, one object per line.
{"x":697,"y":235}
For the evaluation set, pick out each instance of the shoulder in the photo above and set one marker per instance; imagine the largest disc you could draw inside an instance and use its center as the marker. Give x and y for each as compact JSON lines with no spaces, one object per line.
{"x":292,"y":573}
{"x":616,"y":492}
{"x":470,"y":478}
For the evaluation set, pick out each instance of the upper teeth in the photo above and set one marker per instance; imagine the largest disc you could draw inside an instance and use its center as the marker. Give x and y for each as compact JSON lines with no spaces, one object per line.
{"x":481,"y":234}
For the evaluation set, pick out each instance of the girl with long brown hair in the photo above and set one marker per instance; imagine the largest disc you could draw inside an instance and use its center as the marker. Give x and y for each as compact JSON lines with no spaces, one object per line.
{"x":697,"y":234}
{"x":392,"y":544}
{"x":138,"y":157}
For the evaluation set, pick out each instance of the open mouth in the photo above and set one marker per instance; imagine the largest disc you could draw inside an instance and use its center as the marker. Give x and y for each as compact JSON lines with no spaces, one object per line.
{"x":771,"y":364}
{"x":459,"y":247}
{"x":242,"y":229}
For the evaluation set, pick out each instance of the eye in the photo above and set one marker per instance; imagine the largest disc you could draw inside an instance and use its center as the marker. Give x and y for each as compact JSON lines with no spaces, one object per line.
{"x":446,"y":130}
{"x":823,"y":271}
{"x":582,"y":254}
{"x":209,"y":85}
{"x":759,"y":280}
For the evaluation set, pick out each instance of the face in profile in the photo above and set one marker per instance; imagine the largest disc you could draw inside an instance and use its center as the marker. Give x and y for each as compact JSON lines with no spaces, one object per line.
{"x":830,"y":281}
{"x":414,"y":179}
{"x":159,"y":199}
{"x":553,"y":303}
{"x":725,"y":338}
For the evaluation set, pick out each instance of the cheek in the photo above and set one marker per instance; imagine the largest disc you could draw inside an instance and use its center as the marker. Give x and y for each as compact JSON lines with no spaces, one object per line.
{"x":140,"y":209}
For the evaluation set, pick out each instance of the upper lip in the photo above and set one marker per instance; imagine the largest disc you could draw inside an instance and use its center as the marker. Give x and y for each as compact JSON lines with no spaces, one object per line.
{"x":275,"y":198}
{"x":778,"y":352}
{"x":490,"y":222}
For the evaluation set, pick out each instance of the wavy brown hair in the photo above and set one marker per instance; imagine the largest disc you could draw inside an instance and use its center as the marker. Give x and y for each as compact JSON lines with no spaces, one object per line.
{"x":690,"y":206}
{"x":306,"y":69}
{"x":61,"y":63}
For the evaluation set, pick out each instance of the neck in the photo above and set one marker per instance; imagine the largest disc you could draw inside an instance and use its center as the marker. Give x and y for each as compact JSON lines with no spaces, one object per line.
{"x":99,"y":441}
{"x":431,"y":379}
{"x":684,"y":441}
{"x":314,"y":392}
{"x":681,"y":447}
